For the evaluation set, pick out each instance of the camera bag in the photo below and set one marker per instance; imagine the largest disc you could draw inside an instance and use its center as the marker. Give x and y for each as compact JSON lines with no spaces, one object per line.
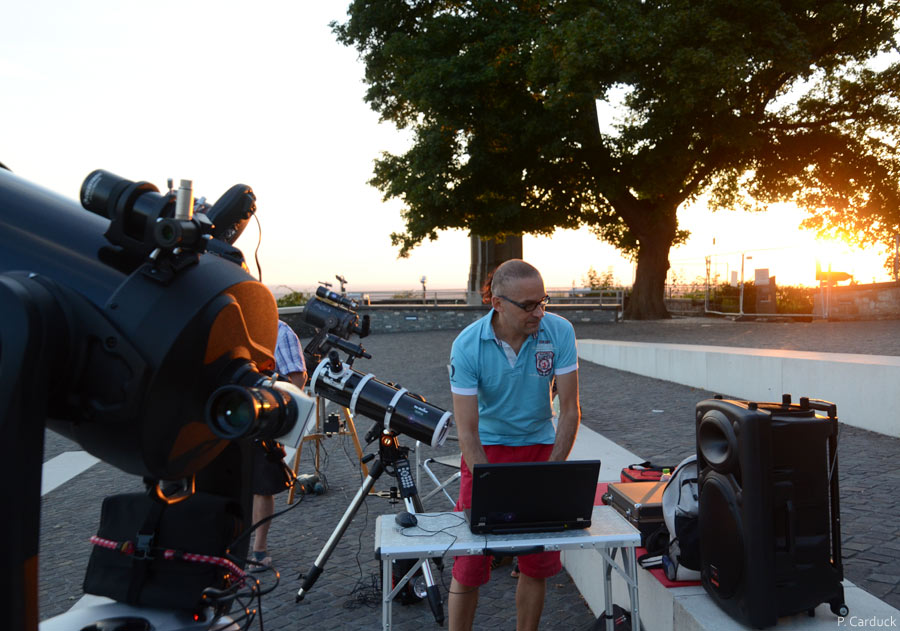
{"x":151,"y":538}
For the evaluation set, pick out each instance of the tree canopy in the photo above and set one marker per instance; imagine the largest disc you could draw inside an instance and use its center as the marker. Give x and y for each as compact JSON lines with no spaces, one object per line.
{"x":750,"y":101}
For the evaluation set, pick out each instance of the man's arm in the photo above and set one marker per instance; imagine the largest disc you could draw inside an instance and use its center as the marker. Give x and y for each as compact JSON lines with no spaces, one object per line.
{"x":569,"y":415}
{"x":465,"y":413}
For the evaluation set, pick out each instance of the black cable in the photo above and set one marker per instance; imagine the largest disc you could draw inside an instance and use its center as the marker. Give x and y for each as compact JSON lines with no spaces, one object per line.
{"x":359,"y":538}
{"x":254,"y":590}
{"x":258,"y":243}
{"x":259,"y":609}
{"x":364,"y":595}
{"x":262,"y":521}
{"x":432,"y":533}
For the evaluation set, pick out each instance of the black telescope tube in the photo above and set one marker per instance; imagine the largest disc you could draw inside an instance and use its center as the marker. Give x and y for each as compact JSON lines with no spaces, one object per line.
{"x":51,"y":235}
{"x":324,"y":292}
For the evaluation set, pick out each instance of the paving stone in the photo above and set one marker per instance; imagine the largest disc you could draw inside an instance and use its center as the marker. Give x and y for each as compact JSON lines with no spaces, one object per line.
{"x":857,"y":547}
{"x":617,"y":404}
{"x":890,"y":579}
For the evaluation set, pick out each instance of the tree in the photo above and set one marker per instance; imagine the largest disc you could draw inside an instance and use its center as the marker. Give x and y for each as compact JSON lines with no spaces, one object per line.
{"x":293,"y":299}
{"x":750,"y":101}
{"x":597,"y":281}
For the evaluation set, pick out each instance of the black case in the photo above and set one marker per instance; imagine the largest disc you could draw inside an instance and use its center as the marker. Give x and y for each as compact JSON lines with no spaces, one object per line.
{"x":201,"y":524}
{"x":640,"y":503}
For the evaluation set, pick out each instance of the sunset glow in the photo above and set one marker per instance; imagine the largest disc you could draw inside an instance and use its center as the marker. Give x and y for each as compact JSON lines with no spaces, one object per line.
{"x":284,"y":113}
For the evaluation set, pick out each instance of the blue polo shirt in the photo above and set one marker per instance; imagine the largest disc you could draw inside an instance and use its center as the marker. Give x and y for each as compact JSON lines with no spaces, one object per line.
{"x":514,"y":406}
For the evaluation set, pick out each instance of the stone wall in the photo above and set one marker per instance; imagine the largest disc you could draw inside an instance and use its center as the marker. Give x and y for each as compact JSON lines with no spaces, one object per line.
{"x":859,"y":302}
{"x":405,"y":318}
{"x":686,"y":306}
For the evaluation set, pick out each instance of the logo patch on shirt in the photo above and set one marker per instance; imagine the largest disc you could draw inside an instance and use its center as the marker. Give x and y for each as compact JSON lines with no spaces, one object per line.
{"x":543,"y":362}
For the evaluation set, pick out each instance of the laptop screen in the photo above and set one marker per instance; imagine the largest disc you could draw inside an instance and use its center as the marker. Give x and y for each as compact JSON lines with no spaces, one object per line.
{"x":532,"y":496}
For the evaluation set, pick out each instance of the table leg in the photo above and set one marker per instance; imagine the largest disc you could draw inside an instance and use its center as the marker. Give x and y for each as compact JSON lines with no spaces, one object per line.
{"x":632,"y":570}
{"x":607,"y":589}
{"x":386,"y":588}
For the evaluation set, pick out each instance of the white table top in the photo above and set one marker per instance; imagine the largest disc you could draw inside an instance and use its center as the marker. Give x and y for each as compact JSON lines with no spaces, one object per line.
{"x":438,"y":534}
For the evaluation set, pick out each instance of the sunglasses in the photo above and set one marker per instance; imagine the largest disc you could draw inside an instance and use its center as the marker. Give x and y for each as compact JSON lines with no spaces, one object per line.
{"x":529,"y":306}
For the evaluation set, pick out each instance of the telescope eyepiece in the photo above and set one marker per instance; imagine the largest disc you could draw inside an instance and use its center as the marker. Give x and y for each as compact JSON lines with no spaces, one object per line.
{"x":334,"y":360}
{"x":102,"y":191}
{"x":263,"y":412}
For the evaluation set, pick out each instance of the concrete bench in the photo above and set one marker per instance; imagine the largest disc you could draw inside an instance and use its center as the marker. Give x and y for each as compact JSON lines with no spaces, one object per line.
{"x":864,"y":387}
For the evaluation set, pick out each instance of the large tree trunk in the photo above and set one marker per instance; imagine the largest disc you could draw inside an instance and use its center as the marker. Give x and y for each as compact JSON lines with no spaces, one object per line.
{"x":655,"y":237}
{"x":646,"y":301}
{"x":486,"y":256}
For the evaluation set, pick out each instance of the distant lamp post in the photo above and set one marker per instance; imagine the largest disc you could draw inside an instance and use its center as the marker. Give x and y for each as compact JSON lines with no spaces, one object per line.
{"x":896,"y":257}
{"x":423,"y":280}
{"x":741,"y":299}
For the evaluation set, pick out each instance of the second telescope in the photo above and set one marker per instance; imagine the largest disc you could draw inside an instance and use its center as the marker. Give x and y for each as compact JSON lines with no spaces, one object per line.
{"x":395,"y":408}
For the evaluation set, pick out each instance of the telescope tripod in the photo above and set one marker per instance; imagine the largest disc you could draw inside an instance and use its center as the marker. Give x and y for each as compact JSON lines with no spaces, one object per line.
{"x":318,"y":435}
{"x":391,"y":458}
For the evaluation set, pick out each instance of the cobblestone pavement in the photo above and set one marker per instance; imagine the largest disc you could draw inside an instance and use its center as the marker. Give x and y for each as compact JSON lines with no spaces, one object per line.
{"x":620,"y":405}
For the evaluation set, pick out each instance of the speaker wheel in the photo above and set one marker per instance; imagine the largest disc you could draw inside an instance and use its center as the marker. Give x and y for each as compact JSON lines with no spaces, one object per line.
{"x":840,"y":610}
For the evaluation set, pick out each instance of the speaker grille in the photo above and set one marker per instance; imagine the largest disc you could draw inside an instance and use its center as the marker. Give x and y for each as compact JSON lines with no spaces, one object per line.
{"x":721,"y":535}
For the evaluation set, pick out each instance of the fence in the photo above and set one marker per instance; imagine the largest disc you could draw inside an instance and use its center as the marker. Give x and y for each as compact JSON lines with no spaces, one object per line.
{"x":609,"y":297}
{"x":764,"y":281}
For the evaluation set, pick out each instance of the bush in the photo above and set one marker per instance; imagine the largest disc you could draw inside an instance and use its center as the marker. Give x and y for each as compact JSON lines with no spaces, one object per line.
{"x":293,"y":299}
{"x":788,"y":298}
{"x":791,"y":299}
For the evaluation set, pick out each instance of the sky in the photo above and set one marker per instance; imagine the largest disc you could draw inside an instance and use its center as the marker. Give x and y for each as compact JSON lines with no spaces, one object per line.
{"x":262,"y":94}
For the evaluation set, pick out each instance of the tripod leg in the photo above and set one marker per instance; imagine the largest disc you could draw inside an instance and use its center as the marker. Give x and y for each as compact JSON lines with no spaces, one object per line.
{"x":351,"y":429}
{"x":313,"y":574}
{"x":296,"y":467}
{"x":434,"y":595}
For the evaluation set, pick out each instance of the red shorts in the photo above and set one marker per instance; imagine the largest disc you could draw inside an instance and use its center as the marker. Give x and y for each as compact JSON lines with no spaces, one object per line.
{"x":473,"y":571}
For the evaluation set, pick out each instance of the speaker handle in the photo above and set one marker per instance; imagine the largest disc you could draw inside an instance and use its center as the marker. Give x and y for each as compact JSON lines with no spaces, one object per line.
{"x":834,"y":492}
{"x":818,"y":404}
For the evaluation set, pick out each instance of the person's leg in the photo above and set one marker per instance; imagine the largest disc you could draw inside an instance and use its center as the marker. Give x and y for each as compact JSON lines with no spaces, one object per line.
{"x":469,"y":572}
{"x":461,"y":605}
{"x":529,"y":602}
{"x":534,"y":570}
{"x":263,"y":506}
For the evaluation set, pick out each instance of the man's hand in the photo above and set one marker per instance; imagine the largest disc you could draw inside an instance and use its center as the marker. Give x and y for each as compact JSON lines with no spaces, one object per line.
{"x":569,"y":415}
{"x":298,"y":379}
{"x":465,"y":413}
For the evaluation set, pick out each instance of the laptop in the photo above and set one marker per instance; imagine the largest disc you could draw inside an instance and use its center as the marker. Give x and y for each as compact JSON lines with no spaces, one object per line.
{"x":522,"y":497}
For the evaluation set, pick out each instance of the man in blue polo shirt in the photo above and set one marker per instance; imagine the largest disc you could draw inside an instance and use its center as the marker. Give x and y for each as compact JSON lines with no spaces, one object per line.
{"x":502,"y":369}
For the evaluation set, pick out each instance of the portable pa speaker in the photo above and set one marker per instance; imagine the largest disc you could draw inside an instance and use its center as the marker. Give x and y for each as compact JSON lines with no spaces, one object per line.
{"x":769,"y":509}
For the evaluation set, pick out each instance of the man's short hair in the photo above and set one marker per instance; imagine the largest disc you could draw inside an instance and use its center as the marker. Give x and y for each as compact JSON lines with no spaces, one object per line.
{"x":508,"y":271}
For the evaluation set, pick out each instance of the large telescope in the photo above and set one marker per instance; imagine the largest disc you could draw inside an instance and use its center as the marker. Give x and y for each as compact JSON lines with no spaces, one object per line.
{"x":116,"y":327}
